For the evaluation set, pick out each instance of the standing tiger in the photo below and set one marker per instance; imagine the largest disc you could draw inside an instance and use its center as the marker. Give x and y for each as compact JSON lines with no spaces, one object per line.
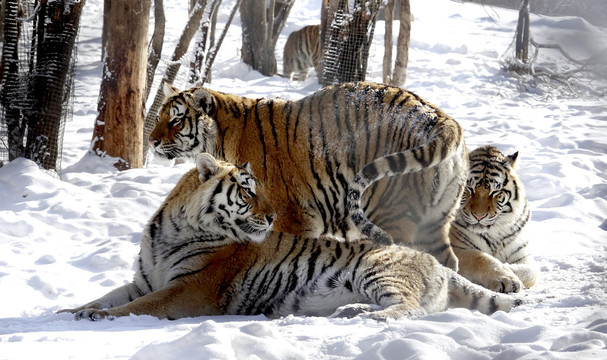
{"x":208,"y":250}
{"x":486,"y":232}
{"x":301,"y":52}
{"x":307,"y":153}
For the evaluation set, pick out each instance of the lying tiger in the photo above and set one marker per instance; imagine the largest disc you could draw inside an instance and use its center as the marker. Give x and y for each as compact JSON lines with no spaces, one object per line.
{"x":301,"y":52}
{"x":486,"y":232}
{"x":208,"y":250}
{"x":307,"y":153}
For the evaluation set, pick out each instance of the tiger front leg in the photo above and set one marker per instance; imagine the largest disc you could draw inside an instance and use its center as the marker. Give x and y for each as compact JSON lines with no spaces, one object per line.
{"x":379,"y":313}
{"x":178,"y":300}
{"x":483,"y":269}
{"x":116,"y":297}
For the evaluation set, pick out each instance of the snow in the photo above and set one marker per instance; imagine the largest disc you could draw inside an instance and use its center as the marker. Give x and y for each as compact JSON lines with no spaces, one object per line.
{"x":66,"y":242}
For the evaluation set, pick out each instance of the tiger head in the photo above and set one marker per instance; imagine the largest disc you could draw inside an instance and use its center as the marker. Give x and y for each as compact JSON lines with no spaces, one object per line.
{"x":228,"y":202}
{"x":183,"y":127}
{"x":492,"y":188}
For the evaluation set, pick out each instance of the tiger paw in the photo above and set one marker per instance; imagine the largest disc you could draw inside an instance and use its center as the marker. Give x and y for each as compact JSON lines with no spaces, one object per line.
{"x":351,"y":310}
{"x":503,"y":281}
{"x":93,"y":315}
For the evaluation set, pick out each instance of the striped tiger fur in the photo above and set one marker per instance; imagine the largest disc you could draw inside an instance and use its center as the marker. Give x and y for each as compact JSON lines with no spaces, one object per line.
{"x":308,"y":152}
{"x":208,"y":250}
{"x":486,"y":232}
{"x":301,"y":52}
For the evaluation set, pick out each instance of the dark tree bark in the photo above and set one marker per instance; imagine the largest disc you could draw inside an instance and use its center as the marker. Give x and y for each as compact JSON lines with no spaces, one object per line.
{"x":522,"y":33}
{"x":118,"y":130}
{"x":9,"y":79}
{"x":262,"y":22}
{"x":55,"y":34}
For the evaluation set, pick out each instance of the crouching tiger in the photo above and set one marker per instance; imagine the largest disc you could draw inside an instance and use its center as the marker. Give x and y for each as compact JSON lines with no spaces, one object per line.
{"x":486,"y":232}
{"x":208,"y":250}
{"x":308,"y":152}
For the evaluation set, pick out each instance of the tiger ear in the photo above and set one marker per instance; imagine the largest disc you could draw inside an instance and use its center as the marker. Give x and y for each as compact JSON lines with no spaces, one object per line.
{"x":203,"y":100}
{"x":246,"y":167}
{"x":207,"y":166}
{"x":512,"y":159}
{"x":168,"y":90}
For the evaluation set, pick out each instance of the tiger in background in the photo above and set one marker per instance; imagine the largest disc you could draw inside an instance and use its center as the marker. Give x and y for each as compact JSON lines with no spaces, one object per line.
{"x":307,"y":153}
{"x":208,"y":250}
{"x":486,"y":232}
{"x":301,"y":52}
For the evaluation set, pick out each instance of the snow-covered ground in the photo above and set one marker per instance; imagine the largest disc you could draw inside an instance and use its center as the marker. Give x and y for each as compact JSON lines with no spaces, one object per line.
{"x":65,"y":242}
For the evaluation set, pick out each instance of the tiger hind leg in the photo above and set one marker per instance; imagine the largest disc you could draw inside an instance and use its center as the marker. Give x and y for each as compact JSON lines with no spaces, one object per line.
{"x":463,"y":293}
{"x":435,"y":241}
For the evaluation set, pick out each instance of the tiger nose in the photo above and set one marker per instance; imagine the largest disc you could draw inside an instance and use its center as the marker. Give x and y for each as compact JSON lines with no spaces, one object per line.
{"x":154,"y":142}
{"x":479,"y":217}
{"x":270,"y":218}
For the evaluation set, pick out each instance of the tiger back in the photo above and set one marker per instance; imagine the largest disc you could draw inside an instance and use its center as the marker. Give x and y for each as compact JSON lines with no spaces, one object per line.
{"x":209,"y":250}
{"x":308,"y":152}
{"x":301,"y":52}
{"x":486,"y":235}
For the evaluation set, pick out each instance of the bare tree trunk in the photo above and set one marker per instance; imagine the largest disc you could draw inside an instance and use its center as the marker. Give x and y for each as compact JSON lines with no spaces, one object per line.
{"x":204,"y":36}
{"x":118,"y":130}
{"x":262,"y":22}
{"x":206,"y":73}
{"x":207,"y":77}
{"x":155,"y":48}
{"x":387,"y":65}
{"x":402,"y":50}
{"x":522,"y":33}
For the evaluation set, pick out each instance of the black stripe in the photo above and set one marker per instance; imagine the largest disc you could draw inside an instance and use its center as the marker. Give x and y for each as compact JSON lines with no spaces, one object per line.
{"x":370,"y":172}
{"x":261,"y":135}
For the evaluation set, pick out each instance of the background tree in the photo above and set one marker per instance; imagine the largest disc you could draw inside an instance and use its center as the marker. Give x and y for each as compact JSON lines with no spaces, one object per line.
{"x":36,"y":93}
{"x":118,"y":130}
{"x":262,"y":22}
{"x":402,"y":48}
{"x":522,"y":33}
{"x":346,"y":34}
{"x":156,"y":42}
{"x":9,"y":79}
{"x":579,"y":76}
{"x":387,"y":63}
